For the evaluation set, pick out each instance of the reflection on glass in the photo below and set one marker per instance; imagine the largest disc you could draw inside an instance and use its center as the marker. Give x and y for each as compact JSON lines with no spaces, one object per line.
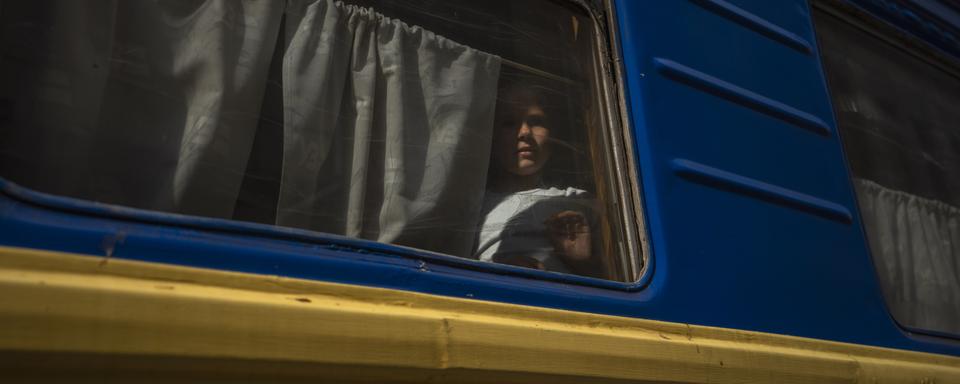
{"x":377,"y":120}
{"x":897,"y":111}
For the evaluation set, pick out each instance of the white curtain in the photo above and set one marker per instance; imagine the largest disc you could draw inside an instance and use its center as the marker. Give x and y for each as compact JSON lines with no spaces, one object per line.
{"x":915,"y":244}
{"x":388,"y":129}
{"x":154,"y":104}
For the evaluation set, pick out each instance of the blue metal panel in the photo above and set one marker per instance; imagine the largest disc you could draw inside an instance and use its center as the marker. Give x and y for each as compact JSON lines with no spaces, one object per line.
{"x":36,"y":220}
{"x":748,"y":203}
{"x":738,"y":147}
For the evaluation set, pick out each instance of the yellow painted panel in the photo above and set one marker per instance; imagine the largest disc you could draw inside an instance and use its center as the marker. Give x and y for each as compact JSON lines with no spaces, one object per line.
{"x":83,"y":318}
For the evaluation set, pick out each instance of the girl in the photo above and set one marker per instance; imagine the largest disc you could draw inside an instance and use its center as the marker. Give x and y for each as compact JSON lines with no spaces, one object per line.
{"x":525,"y":222}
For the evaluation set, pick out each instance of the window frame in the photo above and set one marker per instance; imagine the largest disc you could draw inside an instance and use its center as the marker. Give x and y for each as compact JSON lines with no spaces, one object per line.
{"x":620,"y":132}
{"x":887,"y":30}
{"x":620,"y":170}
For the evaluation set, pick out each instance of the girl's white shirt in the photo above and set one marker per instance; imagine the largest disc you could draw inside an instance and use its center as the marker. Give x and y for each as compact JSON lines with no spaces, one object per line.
{"x":513,"y":223}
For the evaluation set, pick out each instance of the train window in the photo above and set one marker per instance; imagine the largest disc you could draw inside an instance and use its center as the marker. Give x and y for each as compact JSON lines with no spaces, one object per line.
{"x":896,"y":105}
{"x":473,"y":129}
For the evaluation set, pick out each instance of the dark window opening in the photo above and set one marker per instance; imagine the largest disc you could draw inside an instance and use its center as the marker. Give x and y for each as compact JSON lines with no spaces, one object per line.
{"x":390,"y":121}
{"x":896,"y":103}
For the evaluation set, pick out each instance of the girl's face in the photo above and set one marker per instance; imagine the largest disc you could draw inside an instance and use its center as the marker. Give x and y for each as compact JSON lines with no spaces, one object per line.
{"x":521,"y":140}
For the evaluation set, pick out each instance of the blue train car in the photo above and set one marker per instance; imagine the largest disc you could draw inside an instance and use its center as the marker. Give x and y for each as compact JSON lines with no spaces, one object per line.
{"x":696,"y":191}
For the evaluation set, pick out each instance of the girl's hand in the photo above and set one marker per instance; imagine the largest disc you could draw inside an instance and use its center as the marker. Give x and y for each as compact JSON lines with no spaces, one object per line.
{"x":569,"y":232}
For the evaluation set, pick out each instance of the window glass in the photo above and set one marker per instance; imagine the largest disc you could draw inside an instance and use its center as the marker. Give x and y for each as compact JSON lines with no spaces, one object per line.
{"x":897,"y":107}
{"x":473,"y":129}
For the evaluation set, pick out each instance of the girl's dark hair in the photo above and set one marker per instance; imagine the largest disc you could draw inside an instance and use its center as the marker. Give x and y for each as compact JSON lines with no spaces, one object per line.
{"x":547,"y":94}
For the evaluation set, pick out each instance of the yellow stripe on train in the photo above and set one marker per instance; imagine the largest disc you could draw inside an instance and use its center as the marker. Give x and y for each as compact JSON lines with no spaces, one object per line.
{"x":65,"y":316}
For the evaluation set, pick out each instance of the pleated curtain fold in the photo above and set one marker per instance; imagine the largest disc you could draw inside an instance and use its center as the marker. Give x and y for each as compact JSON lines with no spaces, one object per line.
{"x":155,"y":104}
